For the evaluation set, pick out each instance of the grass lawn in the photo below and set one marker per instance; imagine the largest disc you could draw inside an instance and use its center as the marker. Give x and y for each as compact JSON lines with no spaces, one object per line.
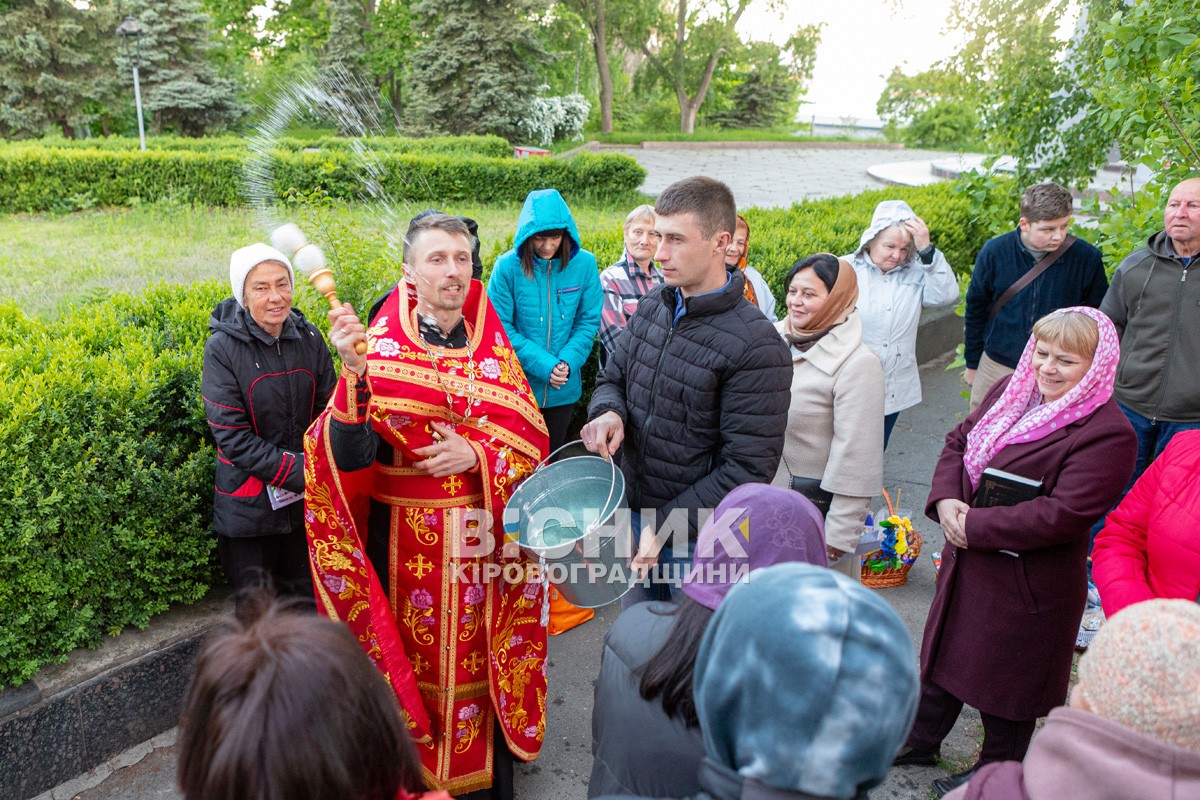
{"x":49,"y":262}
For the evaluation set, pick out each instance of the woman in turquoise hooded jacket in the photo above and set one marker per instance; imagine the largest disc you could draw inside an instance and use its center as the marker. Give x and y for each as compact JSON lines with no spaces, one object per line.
{"x":547,"y":293}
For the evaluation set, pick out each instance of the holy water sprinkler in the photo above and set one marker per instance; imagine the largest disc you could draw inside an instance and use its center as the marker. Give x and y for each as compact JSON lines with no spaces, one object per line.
{"x":309,"y":259}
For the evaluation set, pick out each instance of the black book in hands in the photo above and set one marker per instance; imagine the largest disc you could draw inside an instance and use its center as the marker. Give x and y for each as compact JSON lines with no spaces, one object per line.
{"x":1000,"y":488}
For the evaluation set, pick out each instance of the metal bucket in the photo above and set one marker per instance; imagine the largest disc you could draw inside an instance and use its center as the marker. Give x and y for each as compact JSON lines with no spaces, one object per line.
{"x":567,"y":514}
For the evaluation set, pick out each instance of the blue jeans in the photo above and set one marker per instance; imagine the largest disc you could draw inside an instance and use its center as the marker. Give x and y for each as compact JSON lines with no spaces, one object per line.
{"x":1152,"y":438}
{"x":889,"y":422}
{"x":663,"y":581}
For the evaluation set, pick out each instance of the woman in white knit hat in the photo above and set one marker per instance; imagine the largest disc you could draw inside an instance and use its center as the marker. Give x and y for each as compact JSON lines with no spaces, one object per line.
{"x":267,"y":374}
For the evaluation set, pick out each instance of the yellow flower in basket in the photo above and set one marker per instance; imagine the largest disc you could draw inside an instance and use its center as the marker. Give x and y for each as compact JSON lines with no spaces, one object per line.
{"x":903,"y":528}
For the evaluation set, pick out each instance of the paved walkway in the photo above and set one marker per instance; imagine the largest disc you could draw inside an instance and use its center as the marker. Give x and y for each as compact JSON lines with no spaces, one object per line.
{"x":775,"y":177}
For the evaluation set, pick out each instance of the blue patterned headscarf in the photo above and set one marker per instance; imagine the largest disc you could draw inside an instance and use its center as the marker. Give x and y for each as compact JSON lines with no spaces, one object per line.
{"x":806,"y":682}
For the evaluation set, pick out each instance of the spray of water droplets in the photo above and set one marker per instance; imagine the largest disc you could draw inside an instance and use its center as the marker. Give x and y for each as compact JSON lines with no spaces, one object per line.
{"x":336,"y":95}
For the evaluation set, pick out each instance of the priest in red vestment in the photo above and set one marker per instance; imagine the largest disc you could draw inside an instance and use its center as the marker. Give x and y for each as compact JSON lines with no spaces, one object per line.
{"x":407,"y":474}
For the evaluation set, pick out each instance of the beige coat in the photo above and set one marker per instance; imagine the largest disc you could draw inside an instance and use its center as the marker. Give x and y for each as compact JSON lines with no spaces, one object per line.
{"x":835,"y":428}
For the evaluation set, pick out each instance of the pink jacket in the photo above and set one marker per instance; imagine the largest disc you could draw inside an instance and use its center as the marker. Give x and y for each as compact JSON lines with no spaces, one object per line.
{"x":1082,"y":755}
{"x":1150,"y":545}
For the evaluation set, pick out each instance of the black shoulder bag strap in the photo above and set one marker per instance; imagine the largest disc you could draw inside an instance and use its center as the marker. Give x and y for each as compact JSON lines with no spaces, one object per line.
{"x":1028,"y":277}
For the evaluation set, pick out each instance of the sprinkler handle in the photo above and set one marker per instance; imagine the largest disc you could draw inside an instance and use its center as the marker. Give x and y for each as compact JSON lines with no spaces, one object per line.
{"x":322,"y":281}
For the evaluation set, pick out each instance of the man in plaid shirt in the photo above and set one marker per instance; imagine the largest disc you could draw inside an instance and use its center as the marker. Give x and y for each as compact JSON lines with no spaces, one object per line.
{"x":630,"y":279}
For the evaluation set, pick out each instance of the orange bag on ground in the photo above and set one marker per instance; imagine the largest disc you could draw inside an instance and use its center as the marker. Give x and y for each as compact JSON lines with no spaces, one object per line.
{"x":564,"y":616}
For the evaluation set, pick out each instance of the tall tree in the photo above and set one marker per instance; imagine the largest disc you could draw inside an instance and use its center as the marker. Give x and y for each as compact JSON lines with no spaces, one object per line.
{"x":181,"y":87}
{"x":933,"y":108}
{"x":1127,"y":76}
{"x":684,"y":45}
{"x":476,"y":70}
{"x":1012,"y":56}
{"x":768,"y":81}
{"x":389,"y":41}
{"x":48,"y":65}
{"x":606,"y":21}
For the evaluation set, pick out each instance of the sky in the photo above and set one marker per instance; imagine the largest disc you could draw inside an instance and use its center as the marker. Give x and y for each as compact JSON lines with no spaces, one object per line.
{"x":861,"y":42}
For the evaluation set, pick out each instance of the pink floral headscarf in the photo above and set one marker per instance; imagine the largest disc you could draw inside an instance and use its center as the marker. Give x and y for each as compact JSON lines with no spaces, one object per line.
{"x":1019,"y":416}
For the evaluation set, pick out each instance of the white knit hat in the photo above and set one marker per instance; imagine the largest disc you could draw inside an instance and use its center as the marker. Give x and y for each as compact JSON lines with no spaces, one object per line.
{"x":246,"y":259}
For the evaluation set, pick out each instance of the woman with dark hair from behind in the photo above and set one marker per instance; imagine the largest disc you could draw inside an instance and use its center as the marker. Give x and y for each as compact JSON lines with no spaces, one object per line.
{"x":645,"y":732}
{"x":806,"y":683}
{"x":286,"y":706}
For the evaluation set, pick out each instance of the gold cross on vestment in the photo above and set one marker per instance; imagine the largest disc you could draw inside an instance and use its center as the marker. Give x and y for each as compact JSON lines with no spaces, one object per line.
{"x":419,"y":664}
{"x":420,"y":566}
{"x":473,"y":662}
{"x":452,"y":485}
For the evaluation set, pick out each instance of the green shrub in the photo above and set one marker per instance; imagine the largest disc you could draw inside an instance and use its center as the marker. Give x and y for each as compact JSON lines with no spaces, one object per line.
{"x":44,"y":178}
{"x":948,"y":125}
{"x":106,"y":502}
{"x":491,"y":146}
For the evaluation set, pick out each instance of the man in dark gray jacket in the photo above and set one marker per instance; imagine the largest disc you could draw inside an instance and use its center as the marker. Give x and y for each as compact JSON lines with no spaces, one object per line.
{"x":1157,"y":313}
{"x":698,"y":388}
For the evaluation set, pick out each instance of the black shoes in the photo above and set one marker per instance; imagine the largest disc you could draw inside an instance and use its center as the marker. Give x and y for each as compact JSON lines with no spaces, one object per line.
{"x":911,"y":757}
{"x":943,"y":786}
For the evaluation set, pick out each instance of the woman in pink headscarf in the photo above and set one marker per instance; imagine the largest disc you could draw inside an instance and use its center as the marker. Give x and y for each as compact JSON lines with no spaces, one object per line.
{"x":1013,"y":583}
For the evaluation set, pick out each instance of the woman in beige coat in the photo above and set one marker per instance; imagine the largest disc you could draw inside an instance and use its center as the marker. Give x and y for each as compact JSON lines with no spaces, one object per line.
{"x":833,"y":448}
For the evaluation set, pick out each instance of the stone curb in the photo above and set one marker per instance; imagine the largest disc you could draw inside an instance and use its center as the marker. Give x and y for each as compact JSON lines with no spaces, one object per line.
{"x":97,"y":775}
{"x":594,"y":146}
{"x":71,"y":720}
{"x":940,"y":332}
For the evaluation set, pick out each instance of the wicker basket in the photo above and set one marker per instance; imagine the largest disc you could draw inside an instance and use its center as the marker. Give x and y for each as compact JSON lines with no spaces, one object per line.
{"x":892,"y":576}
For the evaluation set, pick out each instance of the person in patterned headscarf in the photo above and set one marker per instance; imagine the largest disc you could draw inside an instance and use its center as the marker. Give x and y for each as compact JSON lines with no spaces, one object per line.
{"x":1013,"y":583}
{"x":407,"y":475}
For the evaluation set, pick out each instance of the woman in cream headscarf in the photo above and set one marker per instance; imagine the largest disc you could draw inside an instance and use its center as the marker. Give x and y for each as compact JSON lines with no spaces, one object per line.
{"x":833,"y":448}
{"x":899,"y":271}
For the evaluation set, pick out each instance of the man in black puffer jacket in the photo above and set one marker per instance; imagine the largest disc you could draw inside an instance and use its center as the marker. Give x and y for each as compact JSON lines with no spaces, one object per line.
{"x":267,"y":375}
{"x":699,"y":385}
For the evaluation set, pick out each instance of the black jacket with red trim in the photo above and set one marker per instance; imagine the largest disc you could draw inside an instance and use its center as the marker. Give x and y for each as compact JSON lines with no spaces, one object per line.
{"x":260,"y":395}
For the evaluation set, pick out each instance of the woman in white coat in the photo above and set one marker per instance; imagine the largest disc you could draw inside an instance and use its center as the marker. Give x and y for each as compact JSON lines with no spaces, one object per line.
{"x":899,"y":271}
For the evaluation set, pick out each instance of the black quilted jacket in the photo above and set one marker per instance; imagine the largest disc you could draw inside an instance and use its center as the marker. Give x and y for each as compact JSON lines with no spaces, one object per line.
{"x":260,"y":396}
{"x":704,"y":399}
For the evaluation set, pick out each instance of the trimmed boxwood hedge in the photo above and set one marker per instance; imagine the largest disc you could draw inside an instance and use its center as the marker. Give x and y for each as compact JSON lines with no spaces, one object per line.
{"x":39,"y":178}
{"x":492,"y":146}
{"x":779,"y":237}
{"x":106,"y":499}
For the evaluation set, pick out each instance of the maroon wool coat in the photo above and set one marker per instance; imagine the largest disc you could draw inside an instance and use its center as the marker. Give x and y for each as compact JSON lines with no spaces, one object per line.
{"x":1001,"y":629}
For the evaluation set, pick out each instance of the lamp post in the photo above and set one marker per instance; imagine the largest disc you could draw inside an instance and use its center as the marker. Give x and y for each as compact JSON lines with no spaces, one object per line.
{"x":132,"y":29}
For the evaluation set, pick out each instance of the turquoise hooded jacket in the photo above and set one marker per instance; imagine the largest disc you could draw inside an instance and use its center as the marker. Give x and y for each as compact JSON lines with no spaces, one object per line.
{"x":555,"y":316}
